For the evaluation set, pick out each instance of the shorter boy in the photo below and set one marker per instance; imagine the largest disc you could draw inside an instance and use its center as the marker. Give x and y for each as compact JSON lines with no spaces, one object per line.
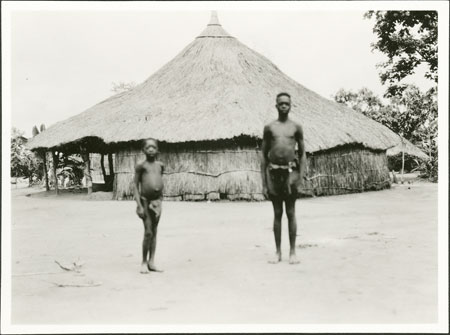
{"x":148,"y":193}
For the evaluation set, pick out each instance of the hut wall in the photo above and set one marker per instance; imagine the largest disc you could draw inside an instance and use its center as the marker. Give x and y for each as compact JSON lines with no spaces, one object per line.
{"x":346,"y":170}
{"x":197,"y":175}
{"x":235,"y":173}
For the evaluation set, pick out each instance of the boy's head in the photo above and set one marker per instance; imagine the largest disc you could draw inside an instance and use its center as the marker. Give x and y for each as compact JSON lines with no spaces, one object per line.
{"x":283,"y":103}
{"x":283,"y":94}
{"x":150,"y":147}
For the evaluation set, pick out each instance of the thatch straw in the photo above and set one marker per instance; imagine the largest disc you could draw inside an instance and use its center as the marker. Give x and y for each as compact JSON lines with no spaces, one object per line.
{"x":215,"y":89}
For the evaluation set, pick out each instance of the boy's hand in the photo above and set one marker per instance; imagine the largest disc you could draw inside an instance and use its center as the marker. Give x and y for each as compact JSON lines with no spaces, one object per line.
{"x":140,"y":212}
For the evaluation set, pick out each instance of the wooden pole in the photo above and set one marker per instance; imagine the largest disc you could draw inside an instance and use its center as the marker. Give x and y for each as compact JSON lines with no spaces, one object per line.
{"x":87,"y":170}
{"x":47,"y":187}
{"x":102,"y":164}
{"x":55,"y":166}
{"x":111,"y":168}
{"x":110,"y":164}
{"x":403,"y":159}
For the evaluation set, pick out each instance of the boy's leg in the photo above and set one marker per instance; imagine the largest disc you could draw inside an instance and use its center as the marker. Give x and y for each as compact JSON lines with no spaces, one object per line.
{"x":277,"y":204}
{"x":148,"y":235}
{"x":155,"y":214}
{"x":151,"y":262}
{"x":290,"y":212}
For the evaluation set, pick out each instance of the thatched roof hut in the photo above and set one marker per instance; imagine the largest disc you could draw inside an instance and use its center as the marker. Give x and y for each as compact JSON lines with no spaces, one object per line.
{"x":408,"y":148}
{"x":207,"y":107}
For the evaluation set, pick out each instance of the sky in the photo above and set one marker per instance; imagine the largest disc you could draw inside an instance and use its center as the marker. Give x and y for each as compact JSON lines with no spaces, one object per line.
{"x":64,"y":59}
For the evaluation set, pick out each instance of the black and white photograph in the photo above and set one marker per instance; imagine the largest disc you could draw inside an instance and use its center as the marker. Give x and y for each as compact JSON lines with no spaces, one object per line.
{"x":224,"y":167}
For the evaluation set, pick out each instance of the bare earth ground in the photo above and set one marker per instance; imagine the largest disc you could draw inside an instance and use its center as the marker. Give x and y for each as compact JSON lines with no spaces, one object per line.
{"x":365,"y":258}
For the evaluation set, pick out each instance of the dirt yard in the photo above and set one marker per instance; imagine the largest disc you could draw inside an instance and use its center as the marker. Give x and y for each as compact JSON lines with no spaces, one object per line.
{"x":365,"y":258}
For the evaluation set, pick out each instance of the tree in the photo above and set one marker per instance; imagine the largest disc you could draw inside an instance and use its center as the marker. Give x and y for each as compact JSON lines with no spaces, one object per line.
{"x":23,"y":161}
{"x":367,"y":103}
{"x":408,"y":39}
{"x":412,"y":115}
{"x":17,"y":153}
{"x":416,"y":111}
{"x":420,"y":118}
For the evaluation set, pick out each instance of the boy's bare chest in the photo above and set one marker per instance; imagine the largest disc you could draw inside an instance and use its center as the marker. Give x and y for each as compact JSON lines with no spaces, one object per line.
{"x":287,"y":131}
{"x":152,"y":168}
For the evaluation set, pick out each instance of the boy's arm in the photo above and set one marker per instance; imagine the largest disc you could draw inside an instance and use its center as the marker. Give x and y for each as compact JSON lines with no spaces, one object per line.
{"x":264,"y":157}
{"x":301,"y":152}
{"x":162,"y":173}
{"x":137,"y":180}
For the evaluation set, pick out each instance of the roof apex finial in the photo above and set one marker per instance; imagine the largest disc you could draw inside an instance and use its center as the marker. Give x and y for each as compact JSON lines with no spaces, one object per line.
{"x":214,"y":28}
{"x":214,"y":20}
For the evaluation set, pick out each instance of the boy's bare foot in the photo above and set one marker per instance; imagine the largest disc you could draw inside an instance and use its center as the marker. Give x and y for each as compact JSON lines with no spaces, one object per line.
{"x":276,"y":259}
{"x":152,"y":267}
{"x":144,"y":268}
{"x":293,"y":259}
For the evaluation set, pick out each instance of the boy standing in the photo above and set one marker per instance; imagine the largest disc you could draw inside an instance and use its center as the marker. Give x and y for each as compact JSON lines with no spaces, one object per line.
{"x":148,"y":193}
{"x":282,"y":170}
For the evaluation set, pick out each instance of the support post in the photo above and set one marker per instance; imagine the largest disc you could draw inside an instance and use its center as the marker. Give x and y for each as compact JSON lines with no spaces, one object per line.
{"x":110,"y":164}
{"x":111,"y":168}
{"x":47,"y":187}
{"x":102,"y":164}
{"x":87,"y":169}
{"x":55,"y":166}
{"x":403,"y":158}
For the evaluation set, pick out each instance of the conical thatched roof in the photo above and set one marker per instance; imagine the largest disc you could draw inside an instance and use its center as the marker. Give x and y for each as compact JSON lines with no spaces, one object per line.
{"x":216,"y":88}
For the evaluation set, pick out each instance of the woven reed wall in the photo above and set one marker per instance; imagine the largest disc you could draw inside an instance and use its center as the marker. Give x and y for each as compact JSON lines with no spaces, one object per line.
{"x":346,"y":170}
{"x":200,"y":175}
{"x":235,"y":173}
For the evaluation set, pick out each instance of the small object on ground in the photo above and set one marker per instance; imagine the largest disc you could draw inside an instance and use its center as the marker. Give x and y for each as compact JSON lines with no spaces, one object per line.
{"x":88,"y":284}
{"x":75,"y":266}
{"x":302,"y":246}
{"x":78,"y":263}
{"x":350,"y":237}
{"x":63,"y":267}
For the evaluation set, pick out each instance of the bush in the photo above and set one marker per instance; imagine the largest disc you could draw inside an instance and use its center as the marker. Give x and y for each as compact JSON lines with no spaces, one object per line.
{"x":24,"y":163}
{"x":395,"y":163}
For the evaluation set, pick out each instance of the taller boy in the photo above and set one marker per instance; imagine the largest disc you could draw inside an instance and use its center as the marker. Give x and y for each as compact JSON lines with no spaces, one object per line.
{"x":282,"y":170}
